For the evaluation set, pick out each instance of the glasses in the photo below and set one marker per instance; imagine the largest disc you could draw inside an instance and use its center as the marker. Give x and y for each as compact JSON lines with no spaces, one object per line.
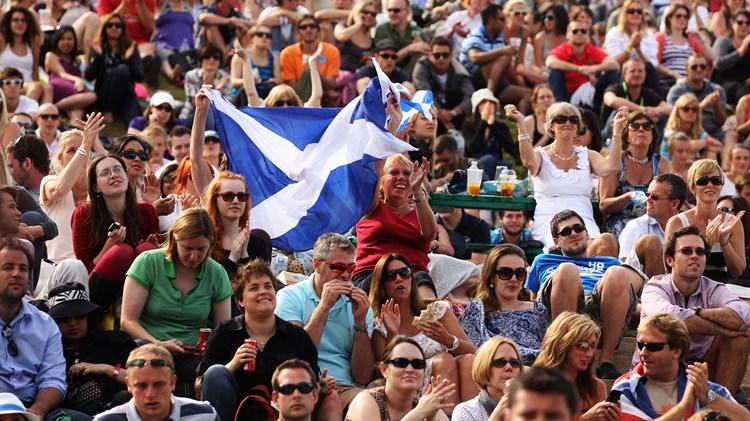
{"x":583,"y":130}
{"x":106,"y":173}
{"x":582,"y":31}
{"x":562,"y":119}
{"x":680,"y":16}
{"x":229,"y":196}
{"x":502,"y":362}
{"x":519,"y":12}
{"x":585,"y":346}
{"x":113,"y":25}
{"x":403,"y":272}
{"x":578,"y":228}
{"x":635,"y":11}
{"x":651,"y":346}
{"x":340,"y":267}
{"x":505,"y":273}
{"x":128,"y":154}
{"x":12,"y":347}
{"x":742,"y":22}
{"x":285,"y":102}
{"x":288,"y":389}
{"x":387,"y":56}
{"x":417,"y":363}
{"x":216,"y":57}
{"x":695,"y":67}
{"x":64,"y":320}
{"x":647,"y":126}
{"x":655,"y":197}
{"x":725,"y":209}
{"x":13,"y":82}
{"x":715,"y":180}
{"x":549,"y":17}
{"x":163,"y":107}
{"x":689,"y":109}
{"x":369,"y":12}
{"x":307,"y":26}
{"x":264,"y":35}
{"x":49,"y":116}
{"x":441,"y":55}
{"x":154,"y":362}
{"x":394,"y":10}
{"x":688,"y":251}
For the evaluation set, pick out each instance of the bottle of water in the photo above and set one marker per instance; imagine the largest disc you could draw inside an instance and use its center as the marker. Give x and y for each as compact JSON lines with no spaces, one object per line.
{"x":185,"y":46}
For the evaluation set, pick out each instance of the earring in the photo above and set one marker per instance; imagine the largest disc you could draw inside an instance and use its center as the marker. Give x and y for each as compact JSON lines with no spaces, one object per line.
{"x":492,"y":286}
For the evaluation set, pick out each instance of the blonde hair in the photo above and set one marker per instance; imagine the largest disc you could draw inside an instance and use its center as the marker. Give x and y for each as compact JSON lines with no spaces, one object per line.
{"x":509,"y":5}
{"x":357,"y":9}
{"x":702,"y":168}
{"x":281,"y":92}
{"x":56,"y":164}
{"x":5,"y":178}
{"x":144,"y":350}
{"x":154,"y":130}
{"x":480,"y":369}
{"x":561,"y":108}
{"x":191,"y":223}
{"x":673,"y":328}
{"x":675,"y":121}
{"x":622,"y":23}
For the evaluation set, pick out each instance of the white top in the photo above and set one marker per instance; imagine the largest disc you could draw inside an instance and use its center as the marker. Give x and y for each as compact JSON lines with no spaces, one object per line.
{"x":61,"y":211}
{"x":467,"y":22}
{"x":26,"y":105}
{"x":471,"y":410}
{"x":51,"y":147}
{"x":616,"y":42}
{"x":24,"y":64}
{"x":635,"y":229}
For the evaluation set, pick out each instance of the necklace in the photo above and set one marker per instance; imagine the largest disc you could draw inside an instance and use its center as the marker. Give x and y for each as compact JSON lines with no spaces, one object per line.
{"x":260,"y":344}
{"x":636,"y":160}
{"x":554,"y":152}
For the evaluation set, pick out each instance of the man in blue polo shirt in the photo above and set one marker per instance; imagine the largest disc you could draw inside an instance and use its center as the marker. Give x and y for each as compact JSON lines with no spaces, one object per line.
{"x":593,"y":285}
{"x":336,"y":315}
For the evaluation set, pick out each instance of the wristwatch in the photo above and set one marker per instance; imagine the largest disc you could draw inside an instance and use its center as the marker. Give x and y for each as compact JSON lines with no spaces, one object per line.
{"x":697,"y":311}
{"x":455,"y":345}
{"x":710,"y":397}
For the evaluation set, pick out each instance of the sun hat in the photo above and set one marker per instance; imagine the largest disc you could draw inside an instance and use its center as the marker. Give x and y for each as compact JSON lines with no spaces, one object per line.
{"x":68,"y":300}
{"x":10,"y":404}
{"x":480,"y":95}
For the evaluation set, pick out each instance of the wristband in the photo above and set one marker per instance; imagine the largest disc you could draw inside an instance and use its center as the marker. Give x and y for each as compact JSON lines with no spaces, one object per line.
{"x":360,"y":329}
{"x":116,"y":372}
{"x":83,"y":152}
{"x":629,"y":50}
{"x":417,"y":200}
{"x":524,"y":137}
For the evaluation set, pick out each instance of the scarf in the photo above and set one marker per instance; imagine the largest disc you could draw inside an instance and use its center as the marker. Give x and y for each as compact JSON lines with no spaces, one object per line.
{"x":488,"y":402}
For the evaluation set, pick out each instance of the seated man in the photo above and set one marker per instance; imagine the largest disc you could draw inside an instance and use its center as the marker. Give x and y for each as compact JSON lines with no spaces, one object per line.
{"x":295,"y":391}
{"x":513,"y":229}
{"x":24,"y":121}
{"x":663,"y":344}
{"x":409,"y":39}
{"x":28,"y":162}
{"x":642,"y":239}
{"x":488,"y":59}
{"x":282,"y":19}
{"x":12,"y":86}
{"x":385,"y":54}
{"x":717,"y":320}
{"x":49,"y":124}
{"x":335,"y":314}
{"x":471,"y":228}
{"x":151,"y":380}
{"x":219,"y":23}
{"x":579,"y":71}
{"x":594,"y":285}
{"x":449,"y":82}
{"x":539,"y":393}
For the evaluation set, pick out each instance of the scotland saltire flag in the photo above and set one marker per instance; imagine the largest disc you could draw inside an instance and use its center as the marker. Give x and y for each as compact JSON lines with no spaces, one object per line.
{"x":309,"y":170}
{"x":421,"y":102}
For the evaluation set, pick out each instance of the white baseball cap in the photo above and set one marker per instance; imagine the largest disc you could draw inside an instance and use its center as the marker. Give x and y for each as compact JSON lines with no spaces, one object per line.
{"x":10,"y":404}
{"x":162,"y":97}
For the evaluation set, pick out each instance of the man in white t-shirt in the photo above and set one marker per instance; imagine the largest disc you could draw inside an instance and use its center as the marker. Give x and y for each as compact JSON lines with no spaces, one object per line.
{"x":12,"y":86}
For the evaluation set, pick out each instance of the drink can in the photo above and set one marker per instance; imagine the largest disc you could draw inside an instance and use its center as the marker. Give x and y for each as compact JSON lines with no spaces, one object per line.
{"x":250,"y":365}
{"x":203,"y":338}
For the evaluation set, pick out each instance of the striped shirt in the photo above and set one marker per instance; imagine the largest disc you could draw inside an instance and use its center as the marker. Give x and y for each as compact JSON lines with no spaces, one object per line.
{"x":183,"y":409}
{"x":675,"y":57}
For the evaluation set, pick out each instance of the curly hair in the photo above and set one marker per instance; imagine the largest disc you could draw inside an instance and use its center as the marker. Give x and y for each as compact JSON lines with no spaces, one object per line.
{"x":33,"y":30}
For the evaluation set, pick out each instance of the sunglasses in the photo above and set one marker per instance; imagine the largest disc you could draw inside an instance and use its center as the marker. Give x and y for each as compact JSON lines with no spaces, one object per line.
{"x":288,"y":389}
{"x":307,"y":26}
{"x":106,"y":173}
{"x":502,"y":362}
{"x":441,"y":55}
{"x":154,"y":362}
{"x":689,"y":109}
{"x":128,"y":154}
{"x":637,"y":126}
{"x":340,"y":267}
{"x":519,"y":12}
{"x":113,"y":25}
{"x":715,"y":180}
{"x":369,"y":12}
{"x":387,"y":56}
{"x":578,"y":228}
{"x":585,"y":346}
{"x":49,"y":116}
{"x":562,"y":119}
{"x":695,"y":67}
{"x":417,"y":363}
{"x":216,"y":57}
{"x":726,"y":209}
{"x":64,"y":320}
{"x":635,"y":11}
{"x":582,"y":31}
{"x":264,"y":35}
{"x":651,"y":346}
{"x":287,"y":102}
{"x":549,"y":17}
{"x":394,"y":10}
{"x":11,"y":82}
{"x":229,"y":196}
{"x":655,"y":197}
{"x":164,"y":108}
{"x":505,"y":273}
{"x":742,"y":22}
{"x":680,"y":16}
{"x":12,"y":347}
{"x":403,"y":272}
{"x":688,"y":251}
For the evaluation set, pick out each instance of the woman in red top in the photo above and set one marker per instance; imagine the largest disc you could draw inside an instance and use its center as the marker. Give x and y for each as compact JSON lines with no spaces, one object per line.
{"x":106,"y":249}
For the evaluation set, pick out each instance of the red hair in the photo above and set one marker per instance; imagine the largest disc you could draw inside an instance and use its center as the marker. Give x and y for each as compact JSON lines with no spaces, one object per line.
{"x":211,"y":195}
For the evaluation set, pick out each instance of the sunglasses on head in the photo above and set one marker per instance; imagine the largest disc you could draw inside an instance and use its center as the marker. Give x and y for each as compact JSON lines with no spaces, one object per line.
{"x":635,"y":11}
{"x":715,"y":180}
{"x":578,"y":228}
{"x":154,"y":362}
{"x":647,"y":126}
{"x":403,"y":272}
{"x":64,"y":320}
{"x":585,"y":346}
{"x":308,"y":26}
{"x":562,"y":119}
{"x":505,"y":273}
{"x":695,"y":67}
{"x":502,"y":362}
{"x":229,"y":196}
{"x":164,"y":107}
{"x":264,"y":35}
{"x":651,"y":346}
{"x":689,"y":109}
{"x":288,"y":389}
{"x":12,"y":347}
{"x":387,"y":56}
{"x":49,"y":116}
{"x":582,"y":31}
{"x":287,"y":102}
{"x":340,"y":267}
{"x":725,"y":209}
{"x":441,"y":55}
{"x":128,"y":154}
{"x":688,"y":251}
{"x":417,"y":363}
{"x":11,"y":82}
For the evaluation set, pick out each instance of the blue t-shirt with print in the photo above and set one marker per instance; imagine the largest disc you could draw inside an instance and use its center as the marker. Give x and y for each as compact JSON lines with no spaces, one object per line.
{"x":591,"y":268}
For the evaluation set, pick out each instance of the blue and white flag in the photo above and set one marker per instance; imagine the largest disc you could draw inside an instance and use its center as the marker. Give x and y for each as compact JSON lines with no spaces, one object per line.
{"x":421,"y":102}
{"x":309,"y":170}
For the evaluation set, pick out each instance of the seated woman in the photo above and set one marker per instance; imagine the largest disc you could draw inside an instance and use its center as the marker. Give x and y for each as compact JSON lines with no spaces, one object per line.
{"x":395,"y":303}
{"x":225,"y":382}
{"x":732,"y":66}
{"x":355,"y":43}
{"x":267,"y":68}
{"x":209,"y":72}
{"x":112,"y":229}
{"x":542,"y":97}
{"x":403,"y":368}
{"x":173,"y":32}
{"x":136,"y":153}
{"x":489,"y":136}
{"x":170,"y":292}
{"x":497,"y":311}
{"x":739,"y":164}
{"x":497,"y":362}
{"x":94,"y":358}
{"x":20,"y":46}
{"x":160,"y":111}
{"x":686,"y":117}
{"x":63,"y":65}
{"x":570,"y":346}
{"x":618,"y":198}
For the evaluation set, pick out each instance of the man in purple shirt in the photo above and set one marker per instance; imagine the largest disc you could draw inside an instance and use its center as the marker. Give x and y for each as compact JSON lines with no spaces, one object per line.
{"x":716,"y":318}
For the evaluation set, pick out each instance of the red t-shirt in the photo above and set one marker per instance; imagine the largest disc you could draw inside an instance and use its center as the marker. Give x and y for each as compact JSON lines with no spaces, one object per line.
{"x":135,"y":28}
{"x":591,"y":56}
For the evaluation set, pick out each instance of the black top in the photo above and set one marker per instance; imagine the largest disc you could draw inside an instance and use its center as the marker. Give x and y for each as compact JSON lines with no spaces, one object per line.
{"x":396,"y":76}
{"x":259,"y":245}
{"x":473,"y":229}
{"x":290,"y":341}
{"x":648,"y":98}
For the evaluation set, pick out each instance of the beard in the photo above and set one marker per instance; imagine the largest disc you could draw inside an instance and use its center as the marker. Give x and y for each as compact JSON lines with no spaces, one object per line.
{"x":575,"y":251}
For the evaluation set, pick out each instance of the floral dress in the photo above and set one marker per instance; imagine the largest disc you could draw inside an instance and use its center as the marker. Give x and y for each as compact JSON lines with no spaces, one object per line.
{"x":525,"y":327}
{"x":616,"y":222}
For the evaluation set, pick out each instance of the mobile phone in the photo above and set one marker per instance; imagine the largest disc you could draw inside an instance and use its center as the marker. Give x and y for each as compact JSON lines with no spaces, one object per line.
{"x":614,"y":396}
{"x":114,"y":227}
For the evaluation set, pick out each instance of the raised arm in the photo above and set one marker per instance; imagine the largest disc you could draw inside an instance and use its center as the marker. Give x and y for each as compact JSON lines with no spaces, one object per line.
{"x":531,"y":159}
{"x":246,"y":74}
{"x":200,"y":171}
{"x":427,"y":222}
{"x":317,"y":85}
{"x":611,"y":164}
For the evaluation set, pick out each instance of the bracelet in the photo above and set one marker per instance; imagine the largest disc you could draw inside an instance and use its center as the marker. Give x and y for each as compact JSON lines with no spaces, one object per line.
{"x":417,"y":200}
{"x":360,"y":329}
{"x":83,"y":152}
{"x":629,"y":50}
{"x":524,"y":137}
{"x":116,"y":372}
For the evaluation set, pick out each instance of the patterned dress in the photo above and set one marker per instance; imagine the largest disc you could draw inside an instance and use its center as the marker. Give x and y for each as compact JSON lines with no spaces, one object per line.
{"x":616,"y":222}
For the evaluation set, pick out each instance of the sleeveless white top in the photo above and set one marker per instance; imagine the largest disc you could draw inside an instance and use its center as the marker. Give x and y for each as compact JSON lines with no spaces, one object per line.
{"x":24,"y":63}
